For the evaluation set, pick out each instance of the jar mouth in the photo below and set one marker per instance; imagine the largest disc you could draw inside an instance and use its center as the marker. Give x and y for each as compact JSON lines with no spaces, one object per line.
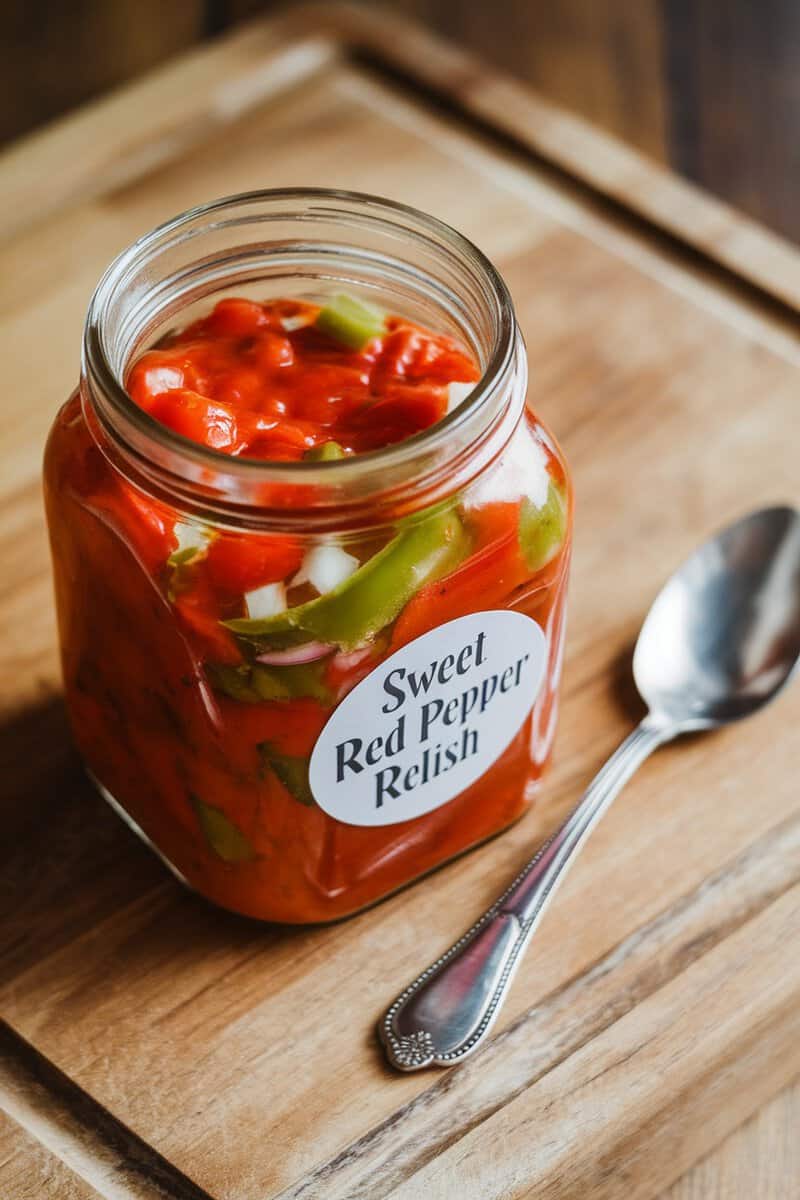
{"x":210,"y":248}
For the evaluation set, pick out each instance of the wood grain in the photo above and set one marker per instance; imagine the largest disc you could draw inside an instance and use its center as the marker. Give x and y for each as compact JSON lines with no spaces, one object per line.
{"x":604,"y":61}
{"x":28,"y":1171}
{"x":660,"y":991}
{"x":42,"y":43}
{"x":761,"y":1159}
{"x":107,"y":144}
{"x":608,"y":166}
{"x":614,"y":989}
{"x":732,"y":105}
{"x":81,"y":1147}
{"x":708,"y":89}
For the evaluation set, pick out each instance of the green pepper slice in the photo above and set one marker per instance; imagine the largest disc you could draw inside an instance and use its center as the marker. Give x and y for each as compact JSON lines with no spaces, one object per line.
{"x":291,"y":771}
{"x":235,"y":682}
{"x":225,"y":839}
{"x":542,"y":530}
{"x":350,"y":322}
{"x":373,"y":596}
{"x":251,"y":684}
{"x":283,"y":683}
{"x":326,"y":452}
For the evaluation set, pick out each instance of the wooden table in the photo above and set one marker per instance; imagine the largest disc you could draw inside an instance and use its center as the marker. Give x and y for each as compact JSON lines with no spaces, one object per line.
{"x":156,"y":1047}
{"x":707,"y":88}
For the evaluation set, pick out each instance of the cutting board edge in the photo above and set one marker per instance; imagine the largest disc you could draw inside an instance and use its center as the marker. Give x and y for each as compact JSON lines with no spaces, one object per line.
{"x":271,"y":51}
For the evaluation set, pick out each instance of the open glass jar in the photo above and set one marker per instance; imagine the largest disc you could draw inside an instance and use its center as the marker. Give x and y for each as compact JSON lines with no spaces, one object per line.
{"x":299,"y":771}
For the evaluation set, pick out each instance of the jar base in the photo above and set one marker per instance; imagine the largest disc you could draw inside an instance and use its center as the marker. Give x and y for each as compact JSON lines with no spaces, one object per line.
{"x":126,"y":817}
{"x":532,"y":789}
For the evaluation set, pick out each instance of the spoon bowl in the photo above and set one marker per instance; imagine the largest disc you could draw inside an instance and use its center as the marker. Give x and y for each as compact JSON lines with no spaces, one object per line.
{"x":723,"y":635}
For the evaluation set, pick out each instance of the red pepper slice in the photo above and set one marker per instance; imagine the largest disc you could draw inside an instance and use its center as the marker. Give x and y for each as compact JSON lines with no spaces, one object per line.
{"x":407,"y":409}
{"x":144,"y":523}
{"x":292,"y":726}
{"x":234,"y":317}
{"x":486,"y":579}
{"x":237,"y":563}
{"x":417,"y":355}
{"x":208,"y":422}
{"x":199,"y":612}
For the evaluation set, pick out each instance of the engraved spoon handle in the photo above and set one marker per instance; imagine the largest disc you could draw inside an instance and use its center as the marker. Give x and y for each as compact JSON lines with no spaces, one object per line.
{"x":448,"y":1010}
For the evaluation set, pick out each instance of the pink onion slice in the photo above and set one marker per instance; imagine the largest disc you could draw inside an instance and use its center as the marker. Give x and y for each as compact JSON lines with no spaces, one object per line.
{"x":293,"y":656}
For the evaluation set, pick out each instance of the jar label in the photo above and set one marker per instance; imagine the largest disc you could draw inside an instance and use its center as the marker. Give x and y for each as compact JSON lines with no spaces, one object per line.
{"x":430,"y":720}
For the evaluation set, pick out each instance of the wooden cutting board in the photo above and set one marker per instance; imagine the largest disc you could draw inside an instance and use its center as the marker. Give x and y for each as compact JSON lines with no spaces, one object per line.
{"x":157,"y":1047}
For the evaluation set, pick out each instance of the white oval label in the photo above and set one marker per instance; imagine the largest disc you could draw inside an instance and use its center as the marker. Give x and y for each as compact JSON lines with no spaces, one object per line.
{"x":430,"y":720}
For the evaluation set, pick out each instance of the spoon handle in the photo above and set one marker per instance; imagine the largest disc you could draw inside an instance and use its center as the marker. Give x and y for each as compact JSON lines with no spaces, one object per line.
{"x":448,"y":1010}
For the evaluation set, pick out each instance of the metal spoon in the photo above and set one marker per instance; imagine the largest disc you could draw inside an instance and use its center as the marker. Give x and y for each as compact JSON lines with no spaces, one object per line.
{"x":720,"y":641}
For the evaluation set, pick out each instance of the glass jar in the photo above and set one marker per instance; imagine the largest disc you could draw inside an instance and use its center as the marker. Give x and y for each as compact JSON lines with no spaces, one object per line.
{"x":285,"y":786}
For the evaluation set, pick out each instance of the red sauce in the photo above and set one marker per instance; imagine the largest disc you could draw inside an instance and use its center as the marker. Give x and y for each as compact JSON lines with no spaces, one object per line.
{"x":239,"y":381}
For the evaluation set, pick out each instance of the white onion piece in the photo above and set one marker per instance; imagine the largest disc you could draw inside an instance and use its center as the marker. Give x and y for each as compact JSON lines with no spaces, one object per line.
{"x":291,"y":323}
{"x":325,"y":567}
{"x":164,"y":379}
{"x":524,"y":473}
{"x":190,"y":537}
{"x":266,"y":601}
{"x":294,"y":655}
{"x":348,"y":660}
{"x":457,"y":393}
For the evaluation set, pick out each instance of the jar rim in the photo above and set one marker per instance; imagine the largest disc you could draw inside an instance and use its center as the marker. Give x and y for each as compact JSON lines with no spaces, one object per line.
{"x":131,"y":427}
